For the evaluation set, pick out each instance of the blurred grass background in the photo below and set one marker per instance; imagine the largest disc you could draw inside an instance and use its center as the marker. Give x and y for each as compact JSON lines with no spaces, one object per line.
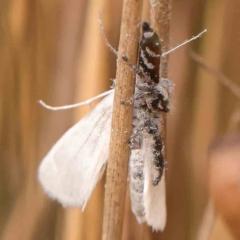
{"x":53,"y":50}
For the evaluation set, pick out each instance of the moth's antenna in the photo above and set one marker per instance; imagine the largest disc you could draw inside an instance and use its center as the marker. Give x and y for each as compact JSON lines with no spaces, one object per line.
{"x":185,"y":42}
{"x":104,"y":36}
{"x":87,"y":102}
{"x":124,"y":58}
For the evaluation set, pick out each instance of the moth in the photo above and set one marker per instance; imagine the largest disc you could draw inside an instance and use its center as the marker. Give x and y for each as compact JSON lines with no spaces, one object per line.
{"x":152,"y":97}
{"x":74,"y":165}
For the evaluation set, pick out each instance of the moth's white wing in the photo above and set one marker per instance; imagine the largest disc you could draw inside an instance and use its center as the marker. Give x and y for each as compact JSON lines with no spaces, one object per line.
{"x":154,"y":197}
{"x":136,"y":182}
{"x":155,"y":203}
{"x":77,"y":161}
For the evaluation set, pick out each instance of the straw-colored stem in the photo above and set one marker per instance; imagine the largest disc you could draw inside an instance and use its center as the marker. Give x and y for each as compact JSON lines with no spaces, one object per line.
{"x":160,"y":17}
{"x":121,"y":123}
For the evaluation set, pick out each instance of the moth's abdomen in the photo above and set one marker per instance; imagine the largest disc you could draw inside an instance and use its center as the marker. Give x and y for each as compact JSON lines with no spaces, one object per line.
{"x":153,"y":147}
{"x":158,"y":160}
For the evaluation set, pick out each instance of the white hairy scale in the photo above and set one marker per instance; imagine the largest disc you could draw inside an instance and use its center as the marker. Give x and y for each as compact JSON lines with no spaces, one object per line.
{"x":148,"y":34}
{"x":148,"y":64}
{"x":151,"y":53}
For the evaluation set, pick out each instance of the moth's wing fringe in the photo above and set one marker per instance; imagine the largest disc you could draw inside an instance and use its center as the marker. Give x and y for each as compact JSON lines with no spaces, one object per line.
{"x":155,"y":202}
{"x":77,"y":161}
{"x":136,"y":181}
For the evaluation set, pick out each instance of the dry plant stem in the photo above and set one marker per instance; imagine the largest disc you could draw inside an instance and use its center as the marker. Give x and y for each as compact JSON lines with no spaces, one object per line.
{"x":234,"y":121}
{"x":160,"y":17}
{"x":121,"y":124}
{"x":207,"y":222}
{"x":234,"y":88}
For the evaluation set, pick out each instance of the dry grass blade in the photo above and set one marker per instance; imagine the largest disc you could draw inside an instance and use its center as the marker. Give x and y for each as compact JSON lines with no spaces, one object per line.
{"x":207,"y":222}
{"x":121,"y":124}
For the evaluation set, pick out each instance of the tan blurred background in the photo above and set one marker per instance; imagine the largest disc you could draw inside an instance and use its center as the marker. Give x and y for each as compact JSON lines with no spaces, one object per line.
{"x":53,"y":50}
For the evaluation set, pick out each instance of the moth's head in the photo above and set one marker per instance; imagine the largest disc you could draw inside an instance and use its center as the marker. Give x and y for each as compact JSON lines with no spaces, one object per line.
{"x":150,"y":37}
{"x":147,"y":31}
{"x":146,"y":27}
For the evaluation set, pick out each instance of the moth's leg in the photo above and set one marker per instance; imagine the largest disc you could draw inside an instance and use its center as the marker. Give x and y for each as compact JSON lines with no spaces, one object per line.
{"x":136,"y":69}
{"x":127,"y":102}
{"x":139,"y":95}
